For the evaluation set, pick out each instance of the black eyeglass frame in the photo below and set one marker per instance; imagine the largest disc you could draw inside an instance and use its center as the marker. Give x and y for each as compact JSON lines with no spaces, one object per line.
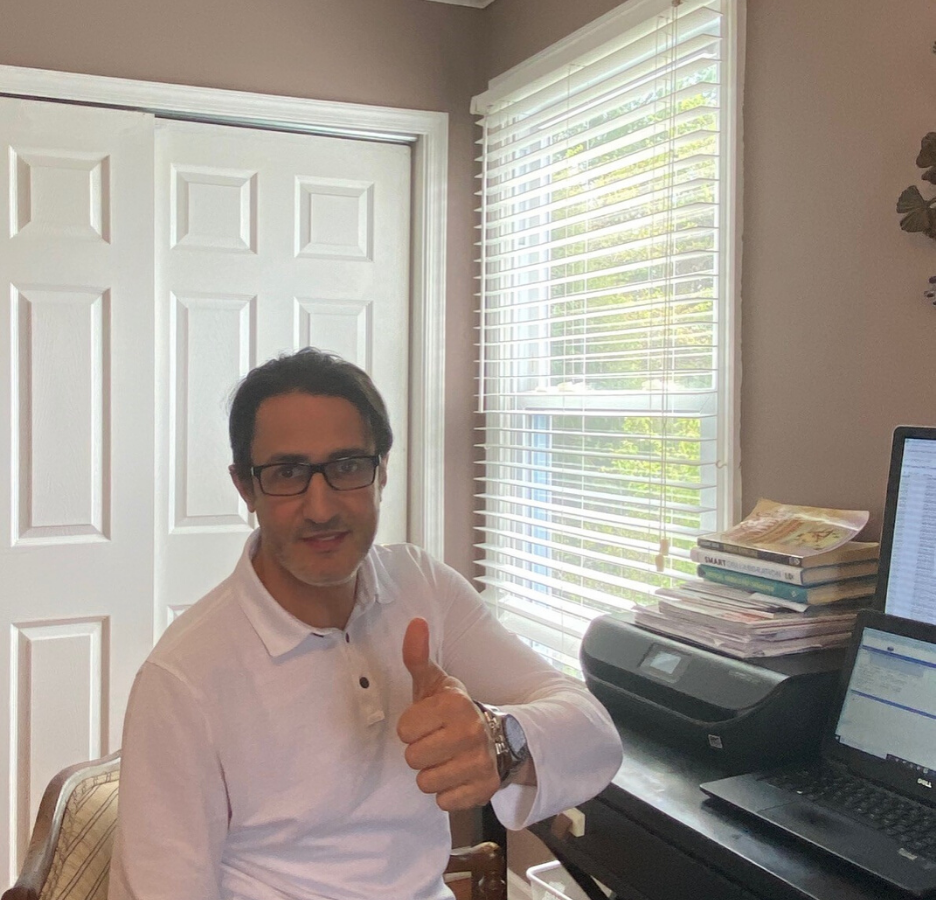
{"x":312,"y":468}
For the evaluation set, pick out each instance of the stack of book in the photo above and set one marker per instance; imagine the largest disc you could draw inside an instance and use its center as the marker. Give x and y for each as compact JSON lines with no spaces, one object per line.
{"x":759,"y":598}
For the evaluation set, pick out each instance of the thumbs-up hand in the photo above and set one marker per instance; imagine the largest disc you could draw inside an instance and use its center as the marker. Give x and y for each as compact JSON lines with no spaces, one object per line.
{"x":446,"y":736}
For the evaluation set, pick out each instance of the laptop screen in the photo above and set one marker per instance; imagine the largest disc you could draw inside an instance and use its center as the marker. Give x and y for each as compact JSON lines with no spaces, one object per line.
{"x":907,"y":577}
{"x":889,"y":707}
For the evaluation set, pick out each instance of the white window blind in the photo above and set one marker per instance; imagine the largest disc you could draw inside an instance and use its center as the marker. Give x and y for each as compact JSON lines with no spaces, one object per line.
{"x":606,"y":327}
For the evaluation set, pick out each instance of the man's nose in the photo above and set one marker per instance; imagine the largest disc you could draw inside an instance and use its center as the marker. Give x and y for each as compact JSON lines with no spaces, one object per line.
{"x":319,"y":501}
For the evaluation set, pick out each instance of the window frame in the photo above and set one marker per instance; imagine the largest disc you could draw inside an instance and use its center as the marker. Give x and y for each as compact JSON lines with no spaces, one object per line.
{"x":586,"y":45}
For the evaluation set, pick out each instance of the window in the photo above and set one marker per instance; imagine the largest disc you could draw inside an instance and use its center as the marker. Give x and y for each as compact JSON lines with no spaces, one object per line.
{"x":607,"y":351}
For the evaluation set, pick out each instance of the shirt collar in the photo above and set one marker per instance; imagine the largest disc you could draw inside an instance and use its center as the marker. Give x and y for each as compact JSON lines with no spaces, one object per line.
{"x":279,"y":630}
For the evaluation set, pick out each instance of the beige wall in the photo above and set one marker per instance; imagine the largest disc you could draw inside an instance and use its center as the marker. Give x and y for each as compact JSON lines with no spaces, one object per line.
{"x":396,"y":52}
{"x":837,"y":339}
{"x":516,"y":29}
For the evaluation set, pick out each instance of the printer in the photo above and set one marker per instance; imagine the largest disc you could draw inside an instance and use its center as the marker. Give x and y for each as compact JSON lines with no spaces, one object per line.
{"x":741,"y":714}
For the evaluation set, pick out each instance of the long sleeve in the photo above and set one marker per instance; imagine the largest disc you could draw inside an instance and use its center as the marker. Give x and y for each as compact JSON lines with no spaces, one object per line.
{"x":573,"y":742}
{"x":173,"y":808}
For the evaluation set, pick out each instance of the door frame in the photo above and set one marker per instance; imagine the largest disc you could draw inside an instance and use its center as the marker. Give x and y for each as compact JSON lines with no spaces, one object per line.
{"x":426,"y":132}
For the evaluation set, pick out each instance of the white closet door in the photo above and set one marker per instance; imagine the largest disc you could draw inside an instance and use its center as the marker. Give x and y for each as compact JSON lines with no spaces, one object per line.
{"x":266,"y":242}
{"x":76,"y":439}
{"x":117,"y":508}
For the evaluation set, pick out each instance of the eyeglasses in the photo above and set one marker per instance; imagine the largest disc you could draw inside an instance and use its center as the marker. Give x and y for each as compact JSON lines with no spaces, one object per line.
{"x":287,"y":479}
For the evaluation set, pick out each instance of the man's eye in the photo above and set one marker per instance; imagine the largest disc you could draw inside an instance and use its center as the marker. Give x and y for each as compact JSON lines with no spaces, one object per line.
{"x":287,"y":472}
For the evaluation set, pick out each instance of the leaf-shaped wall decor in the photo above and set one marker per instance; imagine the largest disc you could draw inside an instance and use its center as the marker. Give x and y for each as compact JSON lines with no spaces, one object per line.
{"x":927,"y":155}
{"x":918,"y":213}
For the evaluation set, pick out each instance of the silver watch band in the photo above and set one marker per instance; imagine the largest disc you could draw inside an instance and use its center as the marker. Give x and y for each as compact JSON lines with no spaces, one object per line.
{"x":507,"y":764}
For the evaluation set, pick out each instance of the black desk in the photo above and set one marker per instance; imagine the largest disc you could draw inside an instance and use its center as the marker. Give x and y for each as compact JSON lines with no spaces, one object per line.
{"x":653,"y":835}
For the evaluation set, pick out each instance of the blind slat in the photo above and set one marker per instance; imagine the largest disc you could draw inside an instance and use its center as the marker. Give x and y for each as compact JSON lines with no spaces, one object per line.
{"x":631,"y":62}
{"x":684,"y":169}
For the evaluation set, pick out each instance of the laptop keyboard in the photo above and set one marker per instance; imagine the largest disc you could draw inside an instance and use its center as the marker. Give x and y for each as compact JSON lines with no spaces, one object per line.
{"x":911,"y":824}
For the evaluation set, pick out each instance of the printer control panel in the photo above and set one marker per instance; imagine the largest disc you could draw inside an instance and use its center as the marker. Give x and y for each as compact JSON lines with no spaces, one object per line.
{"x":664,"y":663}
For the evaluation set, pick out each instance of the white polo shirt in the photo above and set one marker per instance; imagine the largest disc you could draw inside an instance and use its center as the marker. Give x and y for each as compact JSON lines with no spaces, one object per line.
{"x":260,"y":755}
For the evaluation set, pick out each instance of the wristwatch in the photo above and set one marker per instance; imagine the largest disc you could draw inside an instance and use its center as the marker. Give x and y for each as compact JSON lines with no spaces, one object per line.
{"x":510,"y":744}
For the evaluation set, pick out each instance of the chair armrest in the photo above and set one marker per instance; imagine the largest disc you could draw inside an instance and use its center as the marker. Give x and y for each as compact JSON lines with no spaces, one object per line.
{"x":41,"y":849}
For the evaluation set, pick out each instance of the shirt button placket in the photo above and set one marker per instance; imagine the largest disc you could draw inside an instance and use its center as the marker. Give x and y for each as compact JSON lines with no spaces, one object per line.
{"x":368,"y":700}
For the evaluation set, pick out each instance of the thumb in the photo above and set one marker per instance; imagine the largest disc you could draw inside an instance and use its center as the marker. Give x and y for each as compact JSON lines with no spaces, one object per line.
{"x":427,"y":676}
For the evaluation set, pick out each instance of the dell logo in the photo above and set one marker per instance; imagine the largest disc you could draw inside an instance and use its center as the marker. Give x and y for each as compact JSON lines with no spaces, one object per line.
{"x":925,"y":783}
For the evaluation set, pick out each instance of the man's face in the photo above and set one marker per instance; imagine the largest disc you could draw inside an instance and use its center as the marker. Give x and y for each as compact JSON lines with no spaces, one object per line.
{"x":312,"y":544}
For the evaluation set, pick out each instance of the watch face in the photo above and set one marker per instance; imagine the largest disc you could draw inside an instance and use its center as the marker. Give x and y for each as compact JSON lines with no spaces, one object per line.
{"x":515,"y":737}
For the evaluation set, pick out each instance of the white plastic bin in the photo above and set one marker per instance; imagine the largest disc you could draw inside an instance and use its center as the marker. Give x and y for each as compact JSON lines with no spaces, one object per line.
{"x":550,"y":881}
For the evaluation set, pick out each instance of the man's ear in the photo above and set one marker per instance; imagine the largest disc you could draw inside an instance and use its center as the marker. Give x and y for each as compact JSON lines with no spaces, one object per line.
{"x":244,"y":488}
{"x":382,"y":471}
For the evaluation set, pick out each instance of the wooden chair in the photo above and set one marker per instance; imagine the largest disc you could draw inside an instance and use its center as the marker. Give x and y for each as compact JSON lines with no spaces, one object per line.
{"x":69,"y":852}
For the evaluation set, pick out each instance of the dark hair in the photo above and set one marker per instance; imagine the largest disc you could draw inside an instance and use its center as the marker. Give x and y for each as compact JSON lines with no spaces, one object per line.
{"x":308,"y":371}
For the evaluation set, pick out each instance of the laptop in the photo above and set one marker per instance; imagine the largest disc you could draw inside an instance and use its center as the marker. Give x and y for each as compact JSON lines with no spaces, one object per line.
{"x":907,"y":570}
{"x":870,"y":797}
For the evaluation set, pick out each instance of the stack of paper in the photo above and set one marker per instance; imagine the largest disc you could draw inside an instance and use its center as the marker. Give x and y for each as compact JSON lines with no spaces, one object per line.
{"x":785,"y":580}
{"x":744,"y":624}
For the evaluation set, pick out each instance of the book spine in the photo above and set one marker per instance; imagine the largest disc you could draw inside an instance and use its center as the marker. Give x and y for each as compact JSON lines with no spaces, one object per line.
{"x":748,"y":564}
{"x":754,"y":552}
{"x":754,"y":583}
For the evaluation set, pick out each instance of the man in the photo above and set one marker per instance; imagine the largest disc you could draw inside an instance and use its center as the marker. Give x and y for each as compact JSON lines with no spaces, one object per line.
{"x":302,"y":730}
